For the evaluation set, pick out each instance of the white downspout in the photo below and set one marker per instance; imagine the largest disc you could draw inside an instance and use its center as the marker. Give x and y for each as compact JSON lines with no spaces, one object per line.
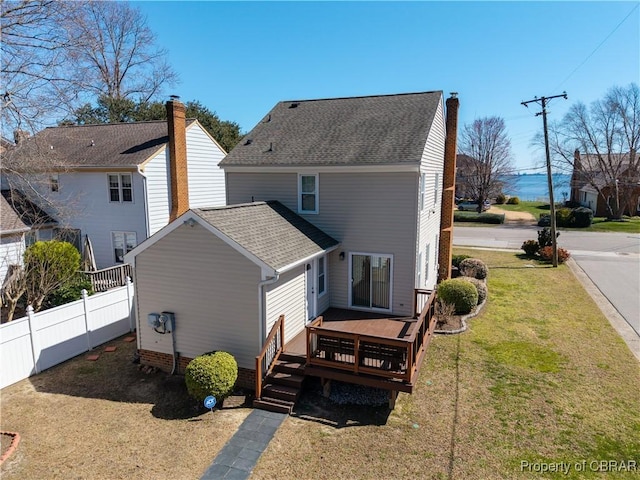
{"x":146,"y":202}
{"x":262,"y":307}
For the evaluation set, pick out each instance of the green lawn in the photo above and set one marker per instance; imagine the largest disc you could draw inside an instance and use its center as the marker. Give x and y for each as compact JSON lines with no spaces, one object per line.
{"x":627,"y":225}
{"x":534,"y":208}
{"x":540,"y":378}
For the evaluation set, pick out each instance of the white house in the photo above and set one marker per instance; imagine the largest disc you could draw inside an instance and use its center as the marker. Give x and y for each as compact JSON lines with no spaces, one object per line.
{"x":113,"y":182}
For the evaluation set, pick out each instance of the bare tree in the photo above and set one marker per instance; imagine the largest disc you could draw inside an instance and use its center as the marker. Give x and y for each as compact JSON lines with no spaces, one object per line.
{"x":37,"y":82}
{"x":487,"y":144}
{"x":117,"y":52}
{"x":600,"y":144}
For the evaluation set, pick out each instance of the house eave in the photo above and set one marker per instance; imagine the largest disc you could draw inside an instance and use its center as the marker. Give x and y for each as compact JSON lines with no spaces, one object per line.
{"x":304,"y":260}
{"x":387,"y":168}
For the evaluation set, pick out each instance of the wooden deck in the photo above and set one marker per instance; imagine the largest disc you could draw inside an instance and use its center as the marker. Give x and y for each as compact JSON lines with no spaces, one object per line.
{"x":367,"y":348}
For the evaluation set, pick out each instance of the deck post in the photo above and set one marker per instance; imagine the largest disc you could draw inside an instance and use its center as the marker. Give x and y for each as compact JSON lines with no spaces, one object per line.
{"x":415,"y":303}
{"x":393,"y":395}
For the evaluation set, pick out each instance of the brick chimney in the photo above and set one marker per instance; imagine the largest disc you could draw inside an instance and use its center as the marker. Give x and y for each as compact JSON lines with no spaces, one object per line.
{"x":449,"y":188}
{"x":177,"y":158}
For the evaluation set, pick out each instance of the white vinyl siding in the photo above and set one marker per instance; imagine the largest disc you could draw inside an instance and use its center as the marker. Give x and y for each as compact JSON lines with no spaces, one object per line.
{"x":211,"y":288}
{"x":11,"y":251}
{"x":419,"y":271}
{"x":427,"y":262}
{"x":365,"y":212}
{"x":287,"y":297}
{"x":423,"y":182}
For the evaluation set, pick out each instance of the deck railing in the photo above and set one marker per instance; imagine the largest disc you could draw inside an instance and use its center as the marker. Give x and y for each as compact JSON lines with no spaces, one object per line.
{"x":108,"y":278}
{"x":374,"y":355}
{"x":271,"y":350}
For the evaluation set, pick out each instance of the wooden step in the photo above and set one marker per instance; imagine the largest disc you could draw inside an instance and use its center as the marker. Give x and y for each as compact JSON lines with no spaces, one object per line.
{"x":273,"y":405}
{"x":283,"y":378}
{"x":293,"y":357}
{"x":282,"y":392}
{"x":295,"y":366}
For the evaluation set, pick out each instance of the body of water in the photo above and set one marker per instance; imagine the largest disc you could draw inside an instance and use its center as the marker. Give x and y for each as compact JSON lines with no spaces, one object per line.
{"x":534,"y":187}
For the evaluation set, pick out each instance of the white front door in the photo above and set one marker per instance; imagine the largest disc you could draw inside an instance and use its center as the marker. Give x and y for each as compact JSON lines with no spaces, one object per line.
{"x":311,"y":290}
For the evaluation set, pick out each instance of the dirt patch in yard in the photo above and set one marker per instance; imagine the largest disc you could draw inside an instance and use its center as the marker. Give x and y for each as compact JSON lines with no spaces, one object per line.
{"x":523,"y":218}
{"x":108,"y":419}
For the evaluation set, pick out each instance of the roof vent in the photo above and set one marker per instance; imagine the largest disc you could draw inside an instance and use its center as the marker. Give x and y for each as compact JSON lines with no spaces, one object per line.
{"x":267,"y":119}
{"x":248,"y":142}
{"x":93,"y":144}
{"x":270,"y":147}
{"x":294,"y":105}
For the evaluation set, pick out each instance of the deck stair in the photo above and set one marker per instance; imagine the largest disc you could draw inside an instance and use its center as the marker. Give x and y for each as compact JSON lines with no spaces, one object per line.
{"x":282,"y":386}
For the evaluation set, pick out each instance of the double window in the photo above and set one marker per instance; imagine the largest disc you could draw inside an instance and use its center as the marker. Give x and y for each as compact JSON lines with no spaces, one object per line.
{"x":123,"y":243}
{"x":120,"y":187}
{"x":308,"y":193}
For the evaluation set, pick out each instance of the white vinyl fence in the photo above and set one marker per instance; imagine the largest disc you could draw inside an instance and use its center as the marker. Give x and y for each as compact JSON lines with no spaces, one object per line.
{"x":41,"y":340}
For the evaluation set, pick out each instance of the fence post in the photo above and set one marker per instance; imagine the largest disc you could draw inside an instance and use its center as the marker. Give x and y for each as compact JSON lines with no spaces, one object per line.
{"x":129,"y":284}
{"x":85,"y":304}
{"x":32,"y":337}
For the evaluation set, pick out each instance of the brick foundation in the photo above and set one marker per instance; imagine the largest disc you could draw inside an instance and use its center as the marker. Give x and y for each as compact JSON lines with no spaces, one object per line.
{"x":164,"y":362}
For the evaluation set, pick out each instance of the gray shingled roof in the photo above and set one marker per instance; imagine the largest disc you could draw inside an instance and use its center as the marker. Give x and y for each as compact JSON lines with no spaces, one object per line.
{"x":19,"y":214}
{"x":270,"y":231}
{"x":377,"y":130}
{"x":106,"y":145}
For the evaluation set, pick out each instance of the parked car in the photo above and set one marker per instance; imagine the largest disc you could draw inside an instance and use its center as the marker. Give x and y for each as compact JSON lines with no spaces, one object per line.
{"x":472,"y":206}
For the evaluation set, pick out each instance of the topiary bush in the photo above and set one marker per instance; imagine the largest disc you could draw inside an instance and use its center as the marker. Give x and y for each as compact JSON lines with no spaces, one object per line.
{"x":513,"y":201}
{"x":545,"y":220}
{"x":501,"y":199}
{"x":211,"y":374}
{"x":473,"y":267}
{"x":456,"y":259}
{"x":564,"y":217}
{"x":546,"y":254}
{"x":581,"y":217}
{"x":480,"y":286}
{"x":460,"y":293}
{"x":530,"y":248}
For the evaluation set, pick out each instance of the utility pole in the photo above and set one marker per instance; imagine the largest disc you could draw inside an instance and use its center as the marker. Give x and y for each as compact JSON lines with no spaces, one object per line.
{"x":543,"y":102}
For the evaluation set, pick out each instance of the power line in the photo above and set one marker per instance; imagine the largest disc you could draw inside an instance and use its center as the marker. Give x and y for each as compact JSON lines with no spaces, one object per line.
{"x":597,"y":48}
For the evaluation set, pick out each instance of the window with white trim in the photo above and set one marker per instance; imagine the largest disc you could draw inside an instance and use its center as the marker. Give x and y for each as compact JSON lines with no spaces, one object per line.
{"x":123,"y":243}
{"x":419,"y":271}
{"x":120,"y":187}
{"x":423,"y":181}
{"x":308,"y":193}
{"x":54,"y":182}
{"x":322,"y":276}
{"x":426,"y":262}
{"x":435,"y":188}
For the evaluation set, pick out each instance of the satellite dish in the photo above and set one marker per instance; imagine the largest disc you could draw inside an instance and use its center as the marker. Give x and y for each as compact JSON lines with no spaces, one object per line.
{"x":210,"y":402}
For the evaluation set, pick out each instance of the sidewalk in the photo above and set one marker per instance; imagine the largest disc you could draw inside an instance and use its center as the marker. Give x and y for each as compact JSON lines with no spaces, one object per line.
{"x":239,"y":455}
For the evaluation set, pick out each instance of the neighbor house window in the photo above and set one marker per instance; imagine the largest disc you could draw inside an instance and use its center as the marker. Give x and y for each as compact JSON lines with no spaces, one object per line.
{"x":30,"y":238}
{"x":308,"y":193}
{"x":435,"y":188}
{"x":322,"y":276}
{"x":123,"y":243}
{"x":120,"y":187}
{"x":70,"y":235}
{"x":53,"y":182}
{"x":423,"y":180}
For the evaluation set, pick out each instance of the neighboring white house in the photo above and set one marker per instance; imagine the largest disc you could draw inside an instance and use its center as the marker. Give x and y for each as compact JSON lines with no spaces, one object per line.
{"x":21,"y":224}
{"x":331,"y":203}
{"x":112,"y":182}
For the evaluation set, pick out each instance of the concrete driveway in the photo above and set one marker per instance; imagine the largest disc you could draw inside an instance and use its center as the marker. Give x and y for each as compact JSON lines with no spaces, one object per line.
{"x":610,"y":260}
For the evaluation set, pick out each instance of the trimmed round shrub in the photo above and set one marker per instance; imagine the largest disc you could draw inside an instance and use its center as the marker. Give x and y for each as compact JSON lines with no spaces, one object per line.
{"x":501,"y":199}
{"x":473,"y":267}
{"x":513,"y":201}
{"x":211,"y":374}
{"x":460,"y":293}
{"x":481,"y":287}
{"x":564,"y":217}
{"x":581,"y":217}
{"x":530,"y":248}
{"x":545,"y":220}
{"x":546,"y":254}
{"x":456,"y":259}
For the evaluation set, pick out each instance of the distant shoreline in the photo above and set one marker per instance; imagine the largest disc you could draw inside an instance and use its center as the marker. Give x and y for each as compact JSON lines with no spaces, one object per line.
{"x":533,"y":187}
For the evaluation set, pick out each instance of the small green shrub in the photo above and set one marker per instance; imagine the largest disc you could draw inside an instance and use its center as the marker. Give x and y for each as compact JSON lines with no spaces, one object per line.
{"x":460,"y":293}
{"x":480,"y":286}
{"x":70,"y":291}
{"x":501,"y":199}
{"x":581,"y":217}
{"x":545,"y":220}
{"x":564,"y":217}
{"x":545,"y":239}
{"x":530,"y":248}
{"x":546,"y":254}
{"x":211,"y":374}
{"x":513,"y":201}
{"x":456,"y":259}
{"x":473,"y":267}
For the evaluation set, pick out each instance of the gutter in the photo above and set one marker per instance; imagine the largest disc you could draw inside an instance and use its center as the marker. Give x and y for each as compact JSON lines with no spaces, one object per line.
{"x":262,"y":307}
{"x":146,"y":202}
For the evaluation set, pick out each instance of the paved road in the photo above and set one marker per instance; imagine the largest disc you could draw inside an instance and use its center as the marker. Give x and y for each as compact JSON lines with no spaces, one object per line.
{"x":611,"y":260}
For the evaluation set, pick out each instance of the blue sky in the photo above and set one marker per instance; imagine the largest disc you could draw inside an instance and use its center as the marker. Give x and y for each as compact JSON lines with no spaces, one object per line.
{"x":240,"y":58}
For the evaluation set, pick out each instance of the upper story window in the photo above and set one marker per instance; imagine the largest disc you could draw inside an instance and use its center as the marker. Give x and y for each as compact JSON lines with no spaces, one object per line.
{"x":308,"y":193}
{"x":54,"y":182}
{"x":120,"y":187}
{"x":423,"y":181}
